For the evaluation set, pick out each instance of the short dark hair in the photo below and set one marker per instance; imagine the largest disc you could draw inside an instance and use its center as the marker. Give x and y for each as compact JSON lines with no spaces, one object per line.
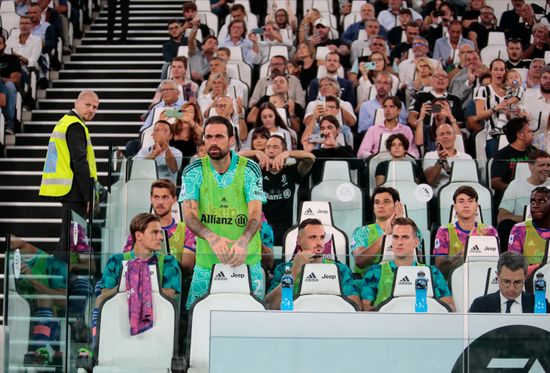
{"x":513,"y":127}
{"x":237,"y":7}
{"x":310,"y":221}
{"x":394,"y":99}
{"x":164,"y":184}
{"x":536,"y":154}
{"x":541,"y":189}
{"x":406,"y":221}
{"x":511,"y":260}
{"x":467,"y":190}
{"x":209,"y":37}
{"x":189,"y":5}
{"x":218,"y":119}
{"x":382,"y":189}
{"x":140,"y":222}
{"x":181,"y":59}
{"x":162,"y":121}
{"x":173,"y":20}
{"x":280,"y":138}
{"x":331,"y":119}
{"x":334,"y":99}
{"x":400,"y":137}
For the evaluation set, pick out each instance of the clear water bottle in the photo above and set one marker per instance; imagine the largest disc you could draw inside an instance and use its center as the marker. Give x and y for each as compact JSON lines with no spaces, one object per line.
{"x":287,"y":291}
{"x":421,"y":286}
{"x":540,"y":294}
{"x":17,"y":263}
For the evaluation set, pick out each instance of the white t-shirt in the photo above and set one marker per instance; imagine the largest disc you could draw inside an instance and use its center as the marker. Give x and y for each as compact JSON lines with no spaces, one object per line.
{"x":517,"y":195}
{"x":431,"y":158}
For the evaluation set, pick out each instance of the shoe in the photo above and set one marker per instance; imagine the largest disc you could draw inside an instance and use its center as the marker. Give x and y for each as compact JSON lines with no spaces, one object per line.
{"x":10,"y":131}
{"x":39,"y":357}
{"x":67,"y":51}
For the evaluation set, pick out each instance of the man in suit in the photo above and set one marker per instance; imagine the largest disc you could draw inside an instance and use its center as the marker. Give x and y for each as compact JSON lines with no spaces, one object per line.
{"x":510,"y":298}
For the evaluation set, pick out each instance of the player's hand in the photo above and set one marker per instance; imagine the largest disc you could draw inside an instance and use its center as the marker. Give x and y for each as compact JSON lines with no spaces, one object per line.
{"x":237,"y":253}
{"x":220,"y":247}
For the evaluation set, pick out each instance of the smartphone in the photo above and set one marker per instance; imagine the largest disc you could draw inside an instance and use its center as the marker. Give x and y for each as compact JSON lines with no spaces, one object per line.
{"x":316,"y":138}
{"x":173,"y":113}
{"x":436,"y":108}
{"x":257,"y":31}
{"x":439,"y":146}
{"x":370,"y":65}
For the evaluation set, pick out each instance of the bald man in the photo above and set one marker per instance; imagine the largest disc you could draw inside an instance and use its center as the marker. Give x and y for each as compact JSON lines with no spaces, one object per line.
{"x":70,"y":167}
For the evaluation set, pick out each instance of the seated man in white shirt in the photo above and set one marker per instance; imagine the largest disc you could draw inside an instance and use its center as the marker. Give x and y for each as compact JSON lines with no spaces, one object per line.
{"x":518,"y":193}
{"x":24,"y":45}
{"x":437,"y":163}
{"x":167,"y":158}
{"x":407,"y":68}
{"x":510,"y":298}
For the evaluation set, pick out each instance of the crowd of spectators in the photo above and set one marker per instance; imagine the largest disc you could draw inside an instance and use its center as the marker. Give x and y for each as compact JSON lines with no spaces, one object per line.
{"x":304,"y":85}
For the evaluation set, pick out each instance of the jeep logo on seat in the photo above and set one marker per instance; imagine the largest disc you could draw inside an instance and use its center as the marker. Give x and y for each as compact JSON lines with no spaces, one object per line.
{"x":329,"y":277}
{"x":237,"y":275}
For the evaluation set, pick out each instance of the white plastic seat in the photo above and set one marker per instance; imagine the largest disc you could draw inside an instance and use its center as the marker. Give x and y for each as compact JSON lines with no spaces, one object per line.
{"x":203,"y":5}
{"x":116,"y":345}
{"x":477,"y":276}
{"x":350,"y":19}
{"x":209,"y":19}
{"x":496,"y":38}
{"x":547,"y":57}
{"x":230,"y":290}
{"x":373,"y":161}
{"x":7,"y":6}
{"x":10,"y":21}
{"x":403,"y":181}
{"x":278,"y":50}
{"x":320,"y":210}
{"x":321,"y":53}
{"x":491,"y":52}
{"x":346,"y":198}
{"x":183,"y":50}
{"x":236,"y":54}
{"x":403,"y":296}
{"x":464,"y":172}
{"x":320,"y":290}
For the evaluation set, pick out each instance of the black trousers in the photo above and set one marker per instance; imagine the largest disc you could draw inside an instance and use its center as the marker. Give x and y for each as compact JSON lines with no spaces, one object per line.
{"x":66,"y":207}
{"x":124,"y":12}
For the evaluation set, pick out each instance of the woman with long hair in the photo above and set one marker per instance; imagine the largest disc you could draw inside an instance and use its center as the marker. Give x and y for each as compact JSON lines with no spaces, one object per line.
{"x":270,"y":119}
{"x":305,"y":57}
{"x":187,"y":130}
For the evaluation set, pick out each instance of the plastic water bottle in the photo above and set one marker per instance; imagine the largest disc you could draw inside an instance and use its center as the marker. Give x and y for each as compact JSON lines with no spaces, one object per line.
{"x":421,"y":286}
{"x":287,"y":291}
{"x":17,"y":263}
{"x":540,"y":294}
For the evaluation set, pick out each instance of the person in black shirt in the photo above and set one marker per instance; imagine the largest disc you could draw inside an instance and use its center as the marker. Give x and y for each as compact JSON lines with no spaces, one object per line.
{"x":396,"y":33}
{"x":170,"y":47}
{"x":190,"y":15}
{"x":520,"y":138}
{"x":515,"y":55}
{"x":329,"y":148}
{"x":478,"y":32}
{"x":10,"y":72}
{"x":279,"y":182}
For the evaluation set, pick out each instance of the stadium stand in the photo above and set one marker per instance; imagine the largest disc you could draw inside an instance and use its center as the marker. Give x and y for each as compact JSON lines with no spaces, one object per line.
{"x":125,"y":75}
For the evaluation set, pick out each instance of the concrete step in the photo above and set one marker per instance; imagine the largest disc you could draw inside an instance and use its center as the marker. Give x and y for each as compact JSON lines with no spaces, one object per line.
{"x":35,"y":164}
{"x":128,"y":84}
{"x":93,"y":126}
{"x":108,"y":64}
{"x":106,"y":104}
{"x":20,"y":151}
{"x":101,"y":115}
{"x":89,"y":57}
{"x":102,"y":139}
{"x":111,"y":74}
{"x":103,"y":93}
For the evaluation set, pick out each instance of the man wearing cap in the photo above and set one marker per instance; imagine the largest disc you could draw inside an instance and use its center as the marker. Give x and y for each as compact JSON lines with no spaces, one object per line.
{"x":321,"y":38}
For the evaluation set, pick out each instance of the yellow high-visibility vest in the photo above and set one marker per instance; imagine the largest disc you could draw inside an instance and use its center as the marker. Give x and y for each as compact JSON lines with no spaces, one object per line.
{"x":57,"y":176}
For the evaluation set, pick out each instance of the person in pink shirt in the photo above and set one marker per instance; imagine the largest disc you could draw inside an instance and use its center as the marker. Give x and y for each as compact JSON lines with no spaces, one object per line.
{"x":371,"y":142}
{"x":530,"y":237}
{"x":451,"y":238}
